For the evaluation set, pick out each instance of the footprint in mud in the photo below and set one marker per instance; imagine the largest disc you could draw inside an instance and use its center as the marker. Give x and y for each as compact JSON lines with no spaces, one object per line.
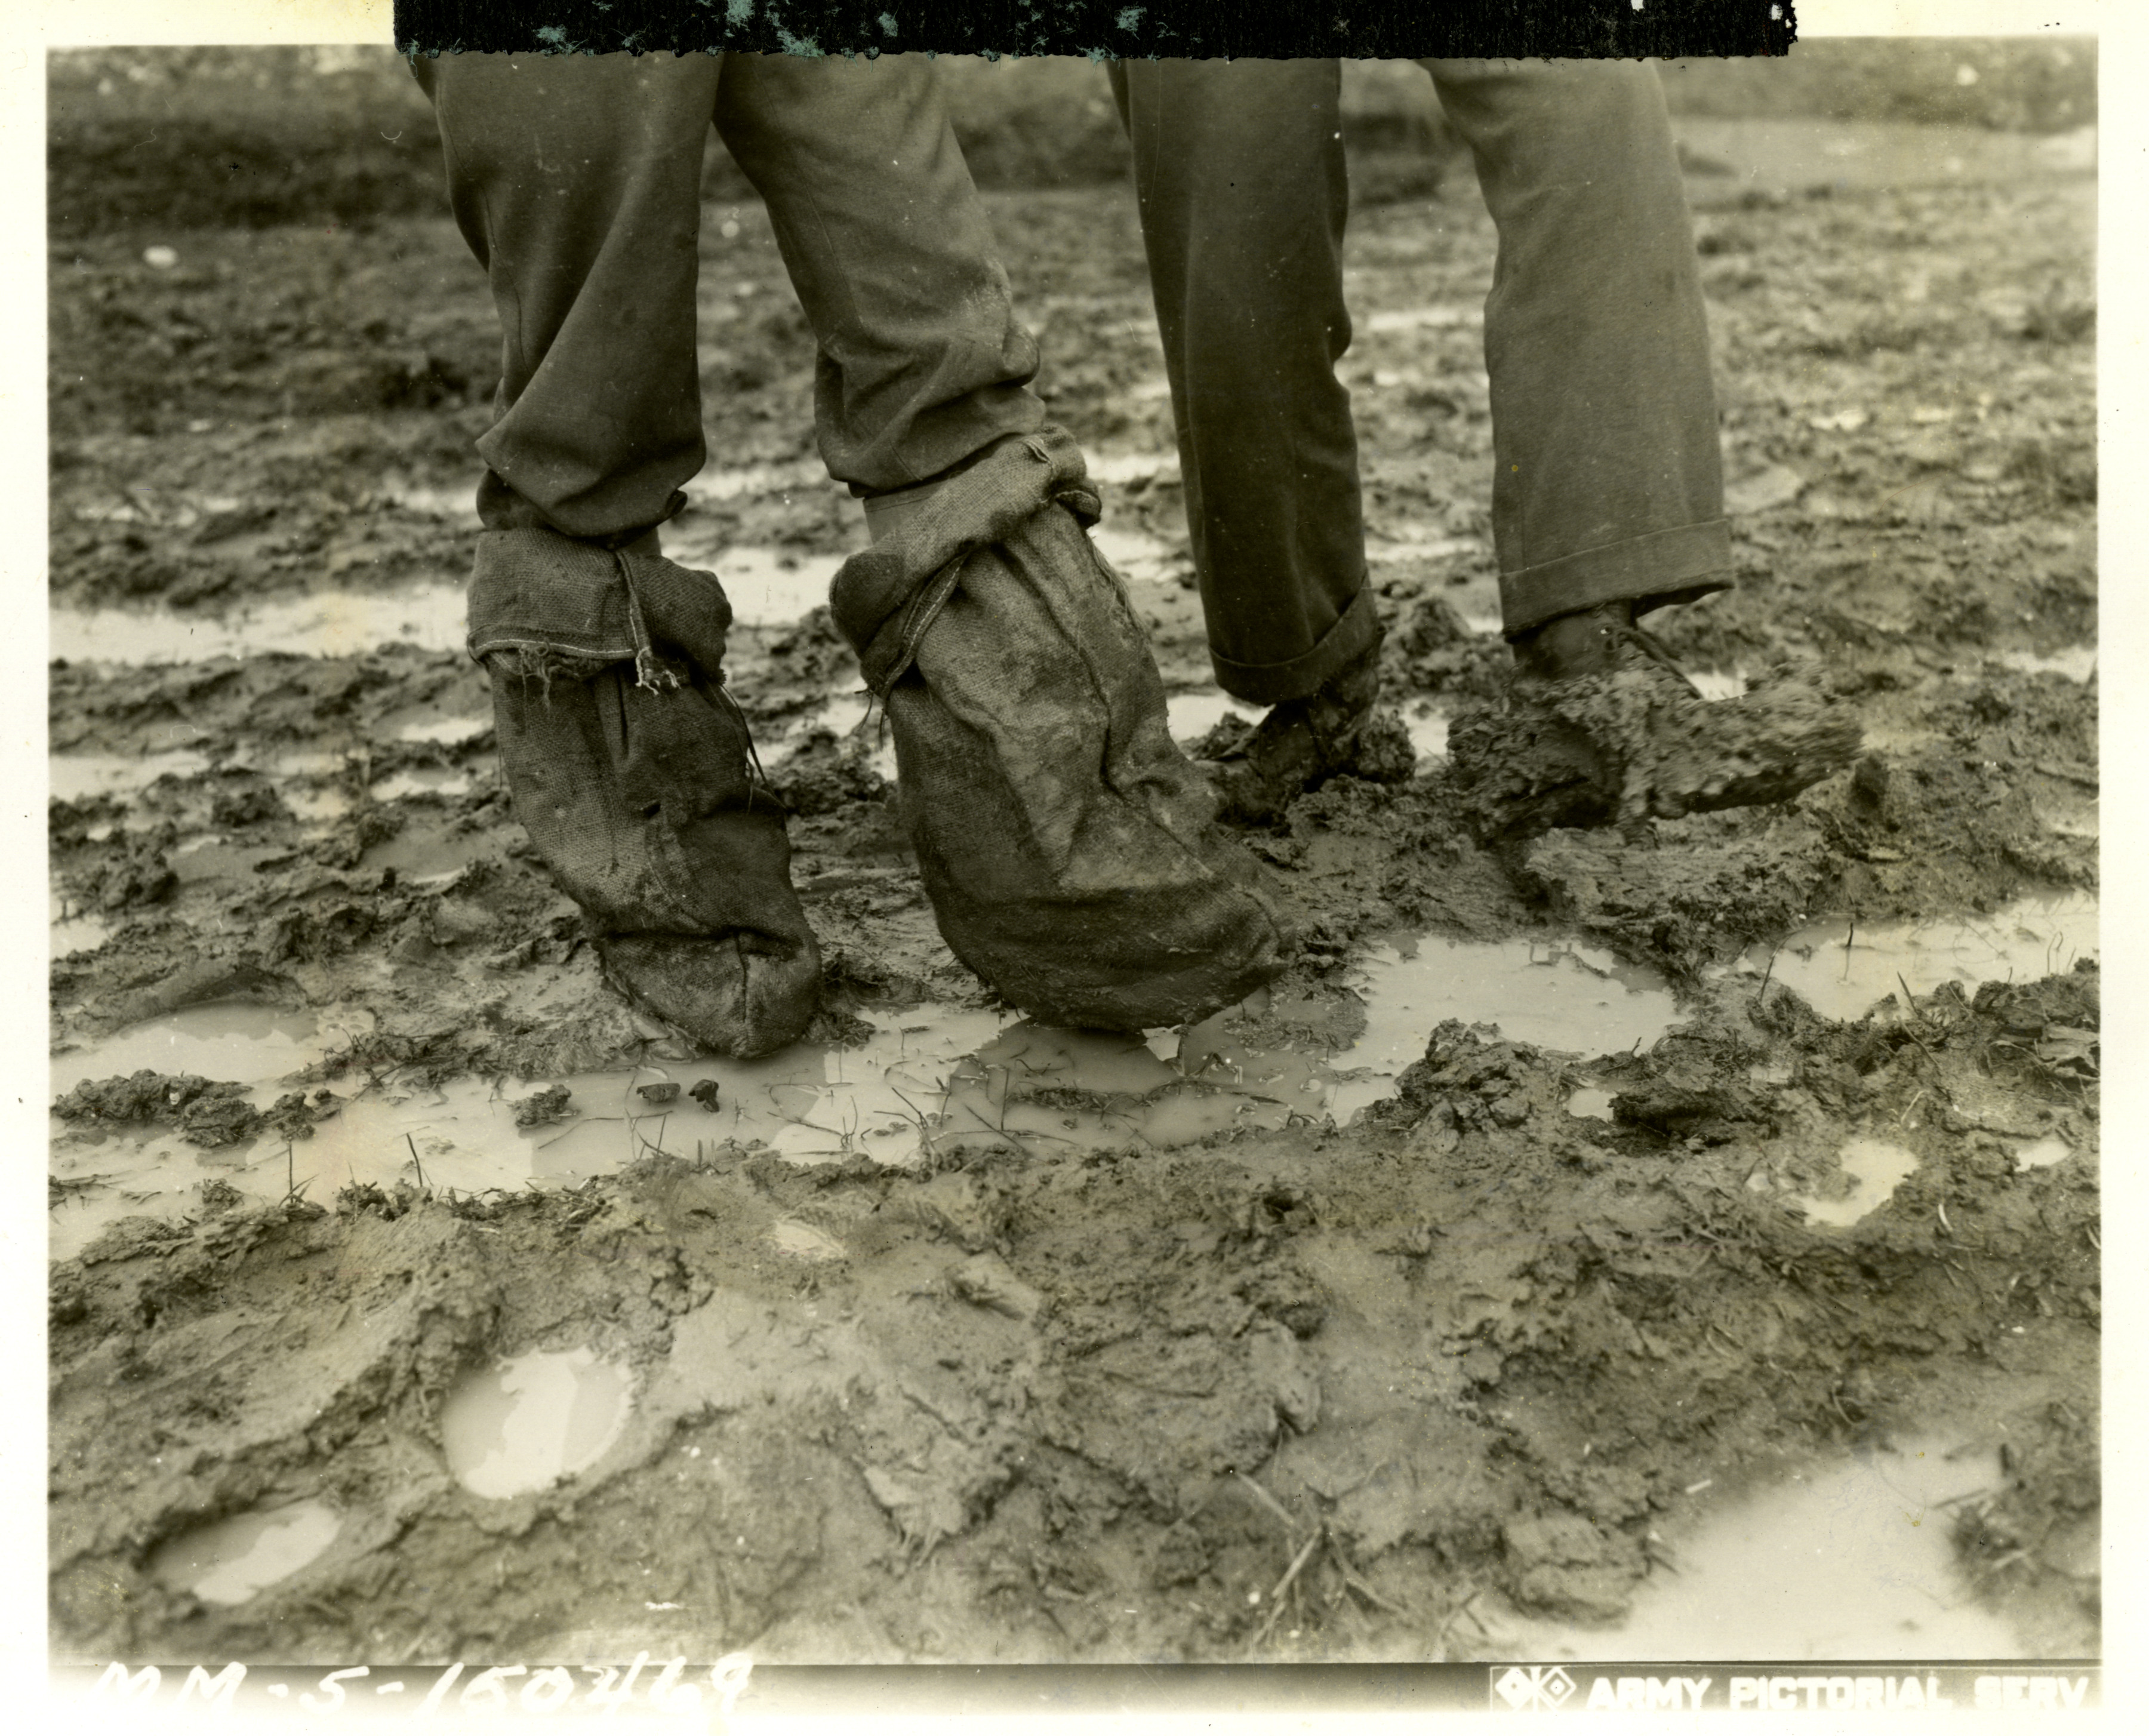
{"x":233,"y":1560}
{"x":522,"y":1425}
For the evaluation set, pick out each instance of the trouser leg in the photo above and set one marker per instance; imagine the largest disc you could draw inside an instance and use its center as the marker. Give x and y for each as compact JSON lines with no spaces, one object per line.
{"x":1607,"y":485}
{"x":577,"y":182}
{"x":577,"y":179}
{"x":1239,"y":173}
{"x":922,"y":364}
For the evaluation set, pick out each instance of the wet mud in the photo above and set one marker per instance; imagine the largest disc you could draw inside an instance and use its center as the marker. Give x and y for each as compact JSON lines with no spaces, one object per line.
{"x":1567,"y":1203}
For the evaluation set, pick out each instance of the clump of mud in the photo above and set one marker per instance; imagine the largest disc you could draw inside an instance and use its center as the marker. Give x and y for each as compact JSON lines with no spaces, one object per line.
{"x":211,"y":1113}
{"x":1640,"y":743}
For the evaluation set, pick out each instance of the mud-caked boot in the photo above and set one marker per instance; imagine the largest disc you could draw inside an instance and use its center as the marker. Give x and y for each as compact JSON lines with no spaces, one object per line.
{"x":1302,"y":743}
{"x":631,"y":769}
{"x":1599,"y":727}
{"x":1070,"y":849}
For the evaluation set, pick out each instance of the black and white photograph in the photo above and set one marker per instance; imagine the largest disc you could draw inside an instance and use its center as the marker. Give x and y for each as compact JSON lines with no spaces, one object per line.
{"x":943,"y":860}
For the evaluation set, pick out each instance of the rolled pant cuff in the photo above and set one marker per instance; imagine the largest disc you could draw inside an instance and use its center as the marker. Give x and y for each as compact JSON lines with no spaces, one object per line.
{"x":1358,"y":630}
{"x":1664,"y":567}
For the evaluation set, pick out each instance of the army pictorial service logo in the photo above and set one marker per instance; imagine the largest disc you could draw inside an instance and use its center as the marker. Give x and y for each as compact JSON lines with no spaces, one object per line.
{"x":1540,"y":1687}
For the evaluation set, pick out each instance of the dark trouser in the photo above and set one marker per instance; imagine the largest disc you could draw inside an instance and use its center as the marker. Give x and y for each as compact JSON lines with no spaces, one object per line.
{"x":1607,"y":485}
{"x":577,"y":181}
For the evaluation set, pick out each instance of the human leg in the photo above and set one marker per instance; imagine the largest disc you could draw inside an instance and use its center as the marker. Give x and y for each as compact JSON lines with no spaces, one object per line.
{"x":577,"y":182}
{"x":1063,"y":841}
{"x":1607,"y":483}
{"x":1240,"y":175}
{"x":1608,"y":486}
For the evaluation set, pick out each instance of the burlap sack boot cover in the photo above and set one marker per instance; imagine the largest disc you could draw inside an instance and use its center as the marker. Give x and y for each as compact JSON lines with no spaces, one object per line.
{"x":632,"y":770}
{"x":1067,"y":845}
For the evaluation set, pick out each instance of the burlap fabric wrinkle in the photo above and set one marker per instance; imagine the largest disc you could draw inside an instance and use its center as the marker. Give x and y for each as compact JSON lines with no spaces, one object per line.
{"x":1069,"y":848}
{"x":632,"y":771}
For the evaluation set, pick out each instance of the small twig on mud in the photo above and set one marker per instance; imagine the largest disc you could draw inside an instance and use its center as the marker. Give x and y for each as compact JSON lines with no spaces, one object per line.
{"x":1283,"y":1585}
{"x":414,"y":1164}
{"x":917,"y":1114}
{"x":1940,"y":1207}
{"x":1849,"y":935}
{"x":2093,"y":1241}
{"x":1761,"y":995}
{"x":1356,"y":1580}
{"x":291,"y":1171}
{"x":1724,"y":1333}
{"x":1910,"y":1002}
{"x":2087,"y":780}
{"x":1001,"y":1132}
{"x":1455,"y":1615}
{"x":1271,"y":1503}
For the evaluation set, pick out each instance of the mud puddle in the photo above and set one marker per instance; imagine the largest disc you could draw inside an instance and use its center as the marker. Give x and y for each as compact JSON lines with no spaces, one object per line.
{"x":79,"y":776}
{"x":1190,"y":716}
{"x":928,"y":1082}
{"x":766,"y":587}
{"x":1556,"y":995}
{"x":234,"y":1560}
{"x":529,"y":1421}
{"x":2077,"y":662}
{"x":1842,"y":968}
{"x":251,"y":1044}
{"x":324,"y":624}
{"x":74,"y":931}
{"x":1872,"y":1168}
{"x":1850,"y":1560}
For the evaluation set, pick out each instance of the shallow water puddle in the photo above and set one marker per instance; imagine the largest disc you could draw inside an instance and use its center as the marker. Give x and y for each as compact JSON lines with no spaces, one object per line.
{"x":747,"y":481}
{"x":766,"y":587}
{"x":1190,"y":716}
{"x":325,"y":624}
{"x":2077,"y":662}
{"x":1427,"y":547}
{"x":843,"y":716}
{"x":223,"y":1041}
{"x":235,"y":1559}
{"x":421,"y":781}
{"x":1591,"y":1103}
{"x":1427,"y":729}
{"x":443,"y":731}
{"x":1131,"y":466}
{"x":77,"y":777}
{"x":1873,"y":1167}
{"x":1841,"y":973}
{"x":932,"y":1079}
{"x":1423,"y":319}
{"x":1714,"y":684}
{"x":1850,"y":1562}
{"x":2042,"y":1154}
{"x":1555,"y":995}
{"x":1138,"y":558}
{"x":74,"y":931}
{"x":525,"y":1423}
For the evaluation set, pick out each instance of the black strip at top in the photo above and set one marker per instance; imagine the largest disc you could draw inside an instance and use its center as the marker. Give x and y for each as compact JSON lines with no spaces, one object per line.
{"x":1108,"y":29}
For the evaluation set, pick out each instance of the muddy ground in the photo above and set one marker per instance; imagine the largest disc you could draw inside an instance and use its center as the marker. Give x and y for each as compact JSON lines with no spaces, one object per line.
{"x":1474,"y":1359}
